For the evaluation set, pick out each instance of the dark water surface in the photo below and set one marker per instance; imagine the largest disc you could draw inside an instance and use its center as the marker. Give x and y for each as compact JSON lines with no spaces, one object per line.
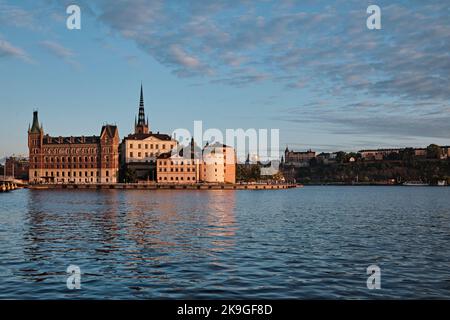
{"x":314,"y":242}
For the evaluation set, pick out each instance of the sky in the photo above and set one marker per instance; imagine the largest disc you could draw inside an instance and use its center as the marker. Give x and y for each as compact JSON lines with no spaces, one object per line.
{"x":311,"y":69}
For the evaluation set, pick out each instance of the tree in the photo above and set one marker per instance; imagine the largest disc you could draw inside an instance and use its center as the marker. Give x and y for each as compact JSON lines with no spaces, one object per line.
{"x":434,"y":151}
{"x":340,"y":156}
{"x":130,"y":176}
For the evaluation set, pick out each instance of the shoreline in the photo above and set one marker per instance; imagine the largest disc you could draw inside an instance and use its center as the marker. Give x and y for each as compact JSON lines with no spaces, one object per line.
{"x":140,"y":186}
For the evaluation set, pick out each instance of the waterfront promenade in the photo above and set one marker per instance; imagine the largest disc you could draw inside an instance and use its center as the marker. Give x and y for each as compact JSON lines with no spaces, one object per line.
{"x":155,"y":186}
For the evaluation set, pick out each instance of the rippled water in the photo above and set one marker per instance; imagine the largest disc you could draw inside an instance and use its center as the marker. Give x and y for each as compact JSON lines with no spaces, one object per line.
{"x":314,"y":242}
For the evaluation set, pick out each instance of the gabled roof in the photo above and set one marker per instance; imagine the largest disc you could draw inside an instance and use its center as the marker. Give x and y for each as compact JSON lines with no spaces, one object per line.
{"x":110,"y":130}
{"x":143,"y":136}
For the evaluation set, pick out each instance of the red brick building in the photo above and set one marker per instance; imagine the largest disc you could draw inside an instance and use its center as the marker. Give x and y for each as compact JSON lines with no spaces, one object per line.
{"x":78,"y":160}
{"x":17,"y":167}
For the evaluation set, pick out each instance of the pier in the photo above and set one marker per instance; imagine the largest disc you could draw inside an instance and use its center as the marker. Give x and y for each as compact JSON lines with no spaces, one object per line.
{"x":8,"y":185}
{"x":162,"y":186}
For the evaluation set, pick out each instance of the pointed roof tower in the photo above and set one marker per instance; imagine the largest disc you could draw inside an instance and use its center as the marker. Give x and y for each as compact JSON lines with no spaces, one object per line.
{"x":35,"y":127}
{"x":141,"y":126}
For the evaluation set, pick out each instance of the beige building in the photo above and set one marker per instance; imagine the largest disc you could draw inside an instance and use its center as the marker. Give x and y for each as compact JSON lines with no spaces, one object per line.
{"x":218,"y":164}
{"x":298,"y":158}
{"x":214,"y":164}
{"x":140,"y":150}
{"x":179,"y":167}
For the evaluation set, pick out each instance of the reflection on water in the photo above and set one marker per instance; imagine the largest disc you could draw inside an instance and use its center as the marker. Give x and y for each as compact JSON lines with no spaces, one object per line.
{"x":302,"y":243}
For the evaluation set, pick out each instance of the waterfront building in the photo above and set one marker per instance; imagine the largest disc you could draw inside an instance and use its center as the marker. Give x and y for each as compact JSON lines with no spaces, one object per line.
{"x":17,"y":167}
{"x":298,"y":158}
{"x":181,"y":166}
{"x":218,"y":164}
{"x":140,"y":150}
{"x":78,"y":160}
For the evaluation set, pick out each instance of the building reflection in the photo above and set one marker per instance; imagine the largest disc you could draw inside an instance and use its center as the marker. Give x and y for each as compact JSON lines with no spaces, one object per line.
{"x":136,"y":234}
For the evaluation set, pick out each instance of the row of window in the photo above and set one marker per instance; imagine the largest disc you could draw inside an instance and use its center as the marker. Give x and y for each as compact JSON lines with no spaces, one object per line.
{"x":139,"y":154}
{"x":85,"y":180}
{"x":177,"y":170}
{"x":69,"y":174}
{"x":176,"y":163}
{"x":177,"y":178}
{"x":156,"y":146}
{"x":71,"y":159}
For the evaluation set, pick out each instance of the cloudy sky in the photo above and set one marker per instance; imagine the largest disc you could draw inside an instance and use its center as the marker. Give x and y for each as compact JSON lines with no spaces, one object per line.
{"x":309,"y":68}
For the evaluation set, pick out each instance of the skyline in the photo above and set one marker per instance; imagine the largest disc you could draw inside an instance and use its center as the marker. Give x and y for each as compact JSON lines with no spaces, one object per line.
{"x":312,"y":70}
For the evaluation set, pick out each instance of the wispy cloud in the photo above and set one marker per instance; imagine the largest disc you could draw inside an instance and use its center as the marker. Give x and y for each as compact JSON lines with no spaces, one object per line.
{"x":9,"y":50}
{"x":326,"y":43}
{"x":60,"y":51}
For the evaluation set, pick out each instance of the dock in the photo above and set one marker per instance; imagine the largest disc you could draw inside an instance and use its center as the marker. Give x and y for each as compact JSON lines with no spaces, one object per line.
{"x":163,"y":186}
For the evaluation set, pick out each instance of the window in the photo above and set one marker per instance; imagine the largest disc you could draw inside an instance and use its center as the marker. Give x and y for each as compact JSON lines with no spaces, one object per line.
{"x":107,"y":174}
{"x":131,"y":154}
{"x":163,"y":146}
{"x":139,"y":146}
{"x":146,"y":146}
{"x":131,"y":146}
{"x":139,"y":154}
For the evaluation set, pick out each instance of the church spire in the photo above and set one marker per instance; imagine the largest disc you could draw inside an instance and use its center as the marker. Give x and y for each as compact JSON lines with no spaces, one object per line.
{"x":141,"y":102}
{"x":141,"y":126}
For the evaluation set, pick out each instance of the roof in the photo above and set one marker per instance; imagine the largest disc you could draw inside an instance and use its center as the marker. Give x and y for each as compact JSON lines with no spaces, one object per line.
{"x":142,"y":136}
{"x":166,"y":155}
{"x":71,"y":140}
{"x":110,"y":130}
{"x":217,"y":145}
{"x":35,"y":128}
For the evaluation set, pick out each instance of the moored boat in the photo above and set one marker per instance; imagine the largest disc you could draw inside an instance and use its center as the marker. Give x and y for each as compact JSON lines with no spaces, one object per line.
{"x":415,"y":184}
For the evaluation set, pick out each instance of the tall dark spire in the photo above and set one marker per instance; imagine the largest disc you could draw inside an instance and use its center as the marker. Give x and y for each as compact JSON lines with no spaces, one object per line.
{"x":141,"y":126}
{"x":141,"y":119}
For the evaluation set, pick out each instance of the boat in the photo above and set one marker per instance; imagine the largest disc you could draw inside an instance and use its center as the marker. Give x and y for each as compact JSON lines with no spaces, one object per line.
{"x":442,"y":183}
{"x":415,"y":184}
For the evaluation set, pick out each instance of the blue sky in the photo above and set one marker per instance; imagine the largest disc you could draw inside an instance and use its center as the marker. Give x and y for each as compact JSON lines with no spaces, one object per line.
{"x":309,"y":68}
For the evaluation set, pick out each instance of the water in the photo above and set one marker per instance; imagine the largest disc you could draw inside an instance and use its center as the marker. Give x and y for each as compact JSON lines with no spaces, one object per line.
{"x":314,"y":242}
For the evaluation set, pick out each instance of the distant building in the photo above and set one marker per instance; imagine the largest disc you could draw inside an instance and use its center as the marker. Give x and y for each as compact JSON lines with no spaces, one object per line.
{"x":420,"y":152}
{"x":181,"y":166}
{"x":79,"y":160}
{"x":17,"y":167}
{"x":326,"y":157}
{"x":298,"y":159}
{"x":445,"y":152}
{"x":140,"y":150}
{"x":378,"y":154}
{"x":218,"y":164}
